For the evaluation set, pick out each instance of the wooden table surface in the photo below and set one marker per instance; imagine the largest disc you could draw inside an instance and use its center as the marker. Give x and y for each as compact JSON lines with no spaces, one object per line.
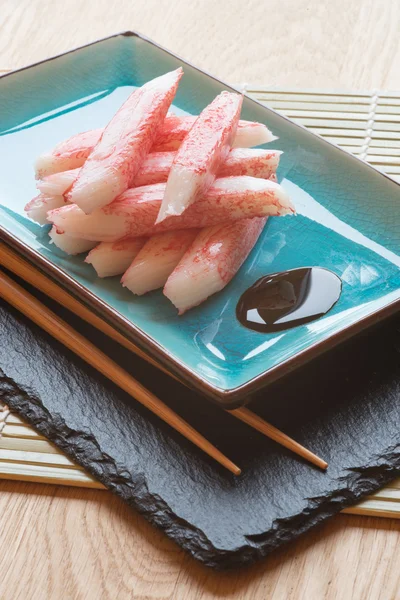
{"x":66,"y":543}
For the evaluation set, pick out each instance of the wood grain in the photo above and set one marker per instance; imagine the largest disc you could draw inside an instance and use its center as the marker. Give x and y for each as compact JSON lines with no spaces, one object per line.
{"x":85,"y":544}
{"x":293,"y":43}
{"x":60,"y":543}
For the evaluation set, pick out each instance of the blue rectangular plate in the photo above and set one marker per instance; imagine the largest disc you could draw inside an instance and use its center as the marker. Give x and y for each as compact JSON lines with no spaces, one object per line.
{"x":347,"y":221}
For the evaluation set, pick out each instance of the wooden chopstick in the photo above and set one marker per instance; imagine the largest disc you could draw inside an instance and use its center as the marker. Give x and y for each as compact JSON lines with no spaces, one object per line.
{"x":275,"y":434}
{"x":28,"y":305}
{"x":12,"y":261}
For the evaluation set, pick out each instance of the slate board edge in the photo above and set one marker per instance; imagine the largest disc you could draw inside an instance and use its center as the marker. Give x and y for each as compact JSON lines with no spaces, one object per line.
{"x":84,"y":449}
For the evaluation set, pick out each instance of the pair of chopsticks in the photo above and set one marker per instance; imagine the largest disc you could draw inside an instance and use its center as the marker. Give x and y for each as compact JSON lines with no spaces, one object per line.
{"x":57,"y":328}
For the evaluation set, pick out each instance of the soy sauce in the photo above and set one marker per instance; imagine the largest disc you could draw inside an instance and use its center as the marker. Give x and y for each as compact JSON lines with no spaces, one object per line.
{"x":288,"y":299}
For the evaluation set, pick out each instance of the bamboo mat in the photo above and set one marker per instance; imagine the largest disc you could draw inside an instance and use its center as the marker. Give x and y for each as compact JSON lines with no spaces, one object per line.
{"x":366,"y":124}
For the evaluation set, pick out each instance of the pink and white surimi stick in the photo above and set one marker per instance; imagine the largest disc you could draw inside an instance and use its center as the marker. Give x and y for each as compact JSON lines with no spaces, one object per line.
{"x":254,"y":162}
{"x":73,"y":153}
{"x":211,"y":262}
{"x":201,"y":153}
{"x":240,"y":161}
{"x":69,"y":244}
{"x":39,"y":206}
{"x":248,"y":133}
{"x":155,"y":169}
{"x":134,"y":212}
{"x":57,"y":183}
{"x":156,"y":260}
{"x":68,"y":154}
{"x":124,"y":144}
{"x":113,"y":258}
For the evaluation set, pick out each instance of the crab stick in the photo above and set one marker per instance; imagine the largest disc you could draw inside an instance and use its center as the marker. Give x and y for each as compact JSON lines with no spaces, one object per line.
{"x":39,"y":206}
{"x":211,"y":262}
{"x":124,"y":144}
{"x":73,"y":153}
{"x":201,"y":153}
{"x":68,"y":154}
{"x":113,"y":258}
{"x":69,"y":244}
{"x":134,"y":212}
{"x":155,"y":169}
{"x":156,"y":260}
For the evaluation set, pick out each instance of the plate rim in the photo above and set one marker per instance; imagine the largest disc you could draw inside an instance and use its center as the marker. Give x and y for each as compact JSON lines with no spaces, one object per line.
{"x":230,"y":398}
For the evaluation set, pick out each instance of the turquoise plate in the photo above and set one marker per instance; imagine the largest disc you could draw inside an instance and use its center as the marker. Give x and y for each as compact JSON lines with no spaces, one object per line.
{"x":347,"y":221}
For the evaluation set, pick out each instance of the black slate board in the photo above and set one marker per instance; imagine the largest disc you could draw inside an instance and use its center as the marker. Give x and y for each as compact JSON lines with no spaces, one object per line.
{"x":345,"y":406}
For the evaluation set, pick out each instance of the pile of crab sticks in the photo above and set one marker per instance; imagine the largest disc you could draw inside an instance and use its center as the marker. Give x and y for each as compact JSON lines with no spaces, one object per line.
{"x":165,"y":201}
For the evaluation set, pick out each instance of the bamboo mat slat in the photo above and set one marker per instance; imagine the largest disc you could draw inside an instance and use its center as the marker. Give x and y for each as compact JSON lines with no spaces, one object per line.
{"x":21,"y":432}
{"x":364,"y":123}
{"x":27,"y":445}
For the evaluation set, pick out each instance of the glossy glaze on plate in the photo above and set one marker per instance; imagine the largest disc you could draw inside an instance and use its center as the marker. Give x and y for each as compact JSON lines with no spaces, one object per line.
{"x":347,"y":220}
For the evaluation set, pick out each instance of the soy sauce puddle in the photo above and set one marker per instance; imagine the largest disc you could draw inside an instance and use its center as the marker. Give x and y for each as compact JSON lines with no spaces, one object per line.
{"x":284,"y":300}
